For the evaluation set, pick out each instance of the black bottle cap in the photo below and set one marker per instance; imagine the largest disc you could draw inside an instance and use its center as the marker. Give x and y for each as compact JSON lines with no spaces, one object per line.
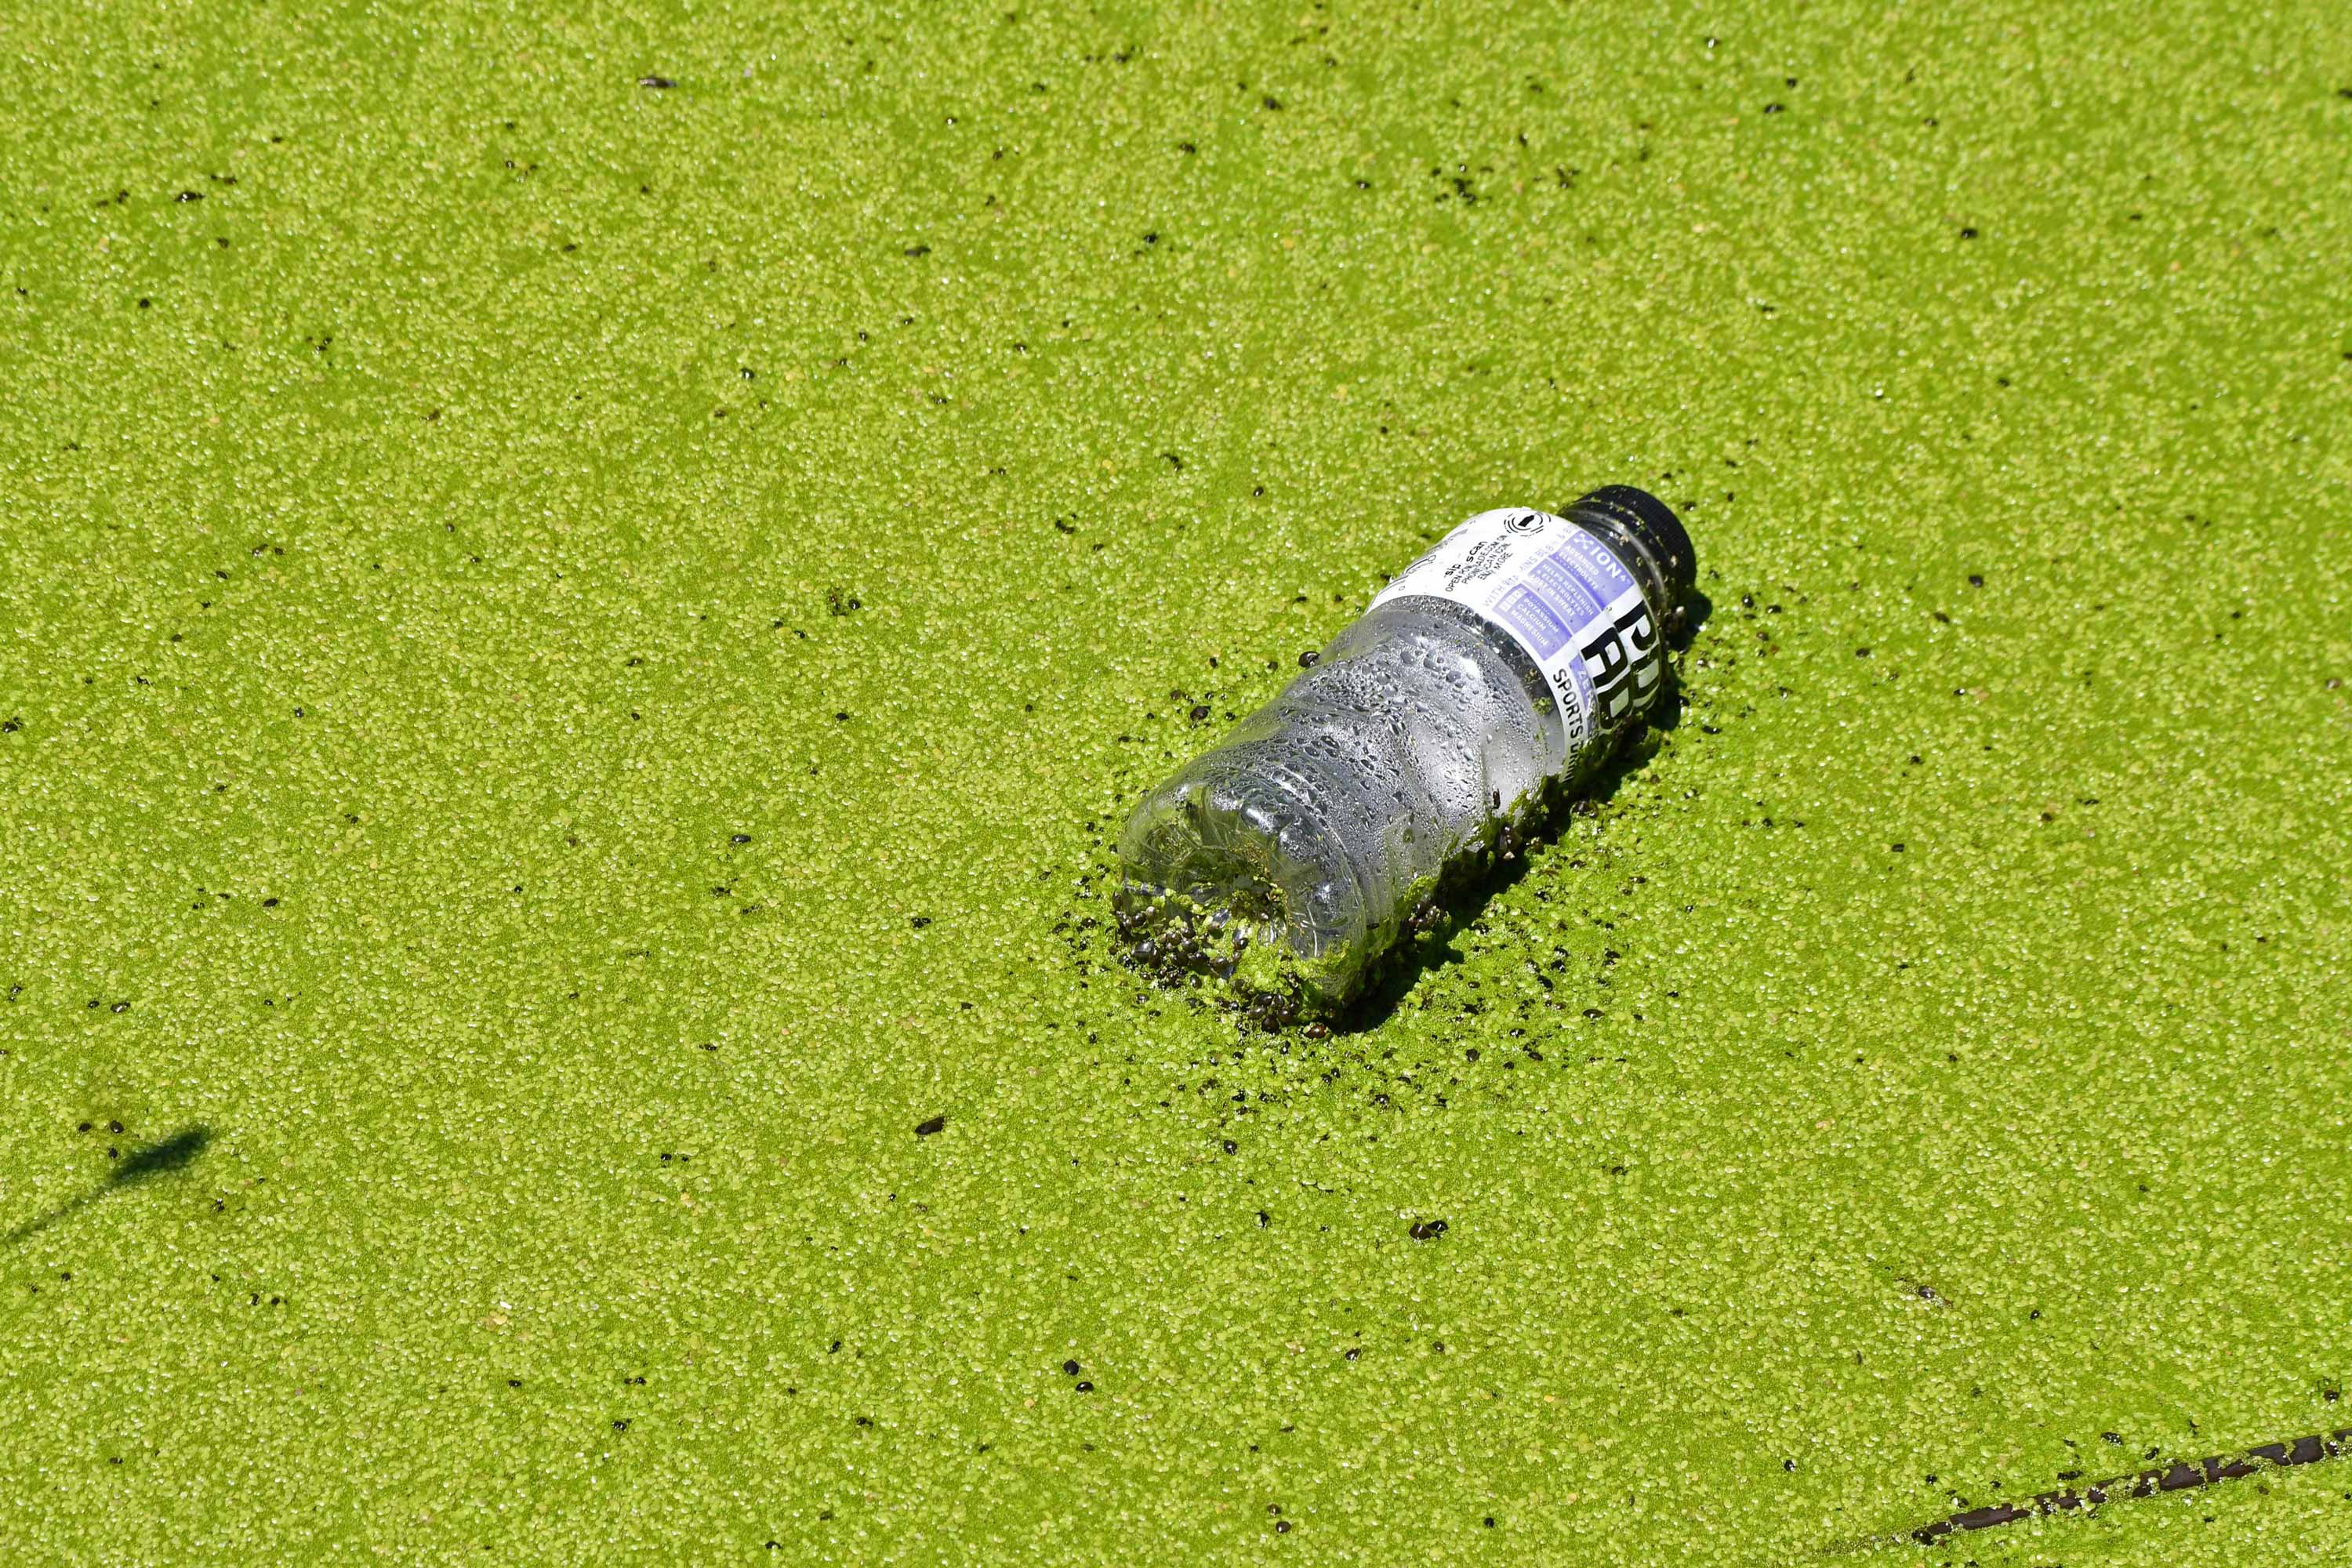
{"x":1652,"y":526}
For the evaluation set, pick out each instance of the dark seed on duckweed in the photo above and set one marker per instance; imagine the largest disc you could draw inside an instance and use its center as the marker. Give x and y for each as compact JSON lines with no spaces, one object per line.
{"x":925,"y":1128}
{"x":1071,"y":1367}
{"x":1086,"y":1388}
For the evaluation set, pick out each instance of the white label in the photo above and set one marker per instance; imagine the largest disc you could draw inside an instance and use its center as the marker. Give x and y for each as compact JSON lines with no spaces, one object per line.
{"x":1563,"y":596}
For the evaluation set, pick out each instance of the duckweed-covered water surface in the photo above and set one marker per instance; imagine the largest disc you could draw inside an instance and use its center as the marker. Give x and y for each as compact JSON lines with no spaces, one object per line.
{"x":583,"y":597}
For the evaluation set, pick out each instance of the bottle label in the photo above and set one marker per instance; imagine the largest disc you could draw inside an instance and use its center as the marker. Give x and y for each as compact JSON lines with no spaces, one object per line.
{"x":1563,"y":595}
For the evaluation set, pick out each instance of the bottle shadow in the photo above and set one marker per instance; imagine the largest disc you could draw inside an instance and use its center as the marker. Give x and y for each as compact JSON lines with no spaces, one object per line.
{"x":1465,"y":893}
{"x":168,"y":1157}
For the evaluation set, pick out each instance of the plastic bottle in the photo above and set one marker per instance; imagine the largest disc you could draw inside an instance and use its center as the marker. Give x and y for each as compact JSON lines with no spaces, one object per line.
{"x":1503,"y":663}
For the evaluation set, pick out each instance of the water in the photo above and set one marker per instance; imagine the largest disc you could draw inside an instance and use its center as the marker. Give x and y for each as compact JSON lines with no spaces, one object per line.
{"x":1516,"y":652}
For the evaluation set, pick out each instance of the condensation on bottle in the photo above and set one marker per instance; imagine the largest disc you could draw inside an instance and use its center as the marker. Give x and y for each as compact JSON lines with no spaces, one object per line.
{"x":1500,"y":666}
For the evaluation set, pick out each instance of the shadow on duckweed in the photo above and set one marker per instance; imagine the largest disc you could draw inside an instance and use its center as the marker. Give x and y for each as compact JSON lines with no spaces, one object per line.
{"x":168,"y":1157}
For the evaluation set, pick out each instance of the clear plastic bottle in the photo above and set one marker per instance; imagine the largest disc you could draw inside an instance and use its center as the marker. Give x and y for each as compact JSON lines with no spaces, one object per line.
{"x":1515,"y":653}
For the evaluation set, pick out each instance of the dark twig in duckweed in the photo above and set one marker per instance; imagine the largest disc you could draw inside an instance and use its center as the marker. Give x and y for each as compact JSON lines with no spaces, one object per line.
{"x":2183,"y":1477}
